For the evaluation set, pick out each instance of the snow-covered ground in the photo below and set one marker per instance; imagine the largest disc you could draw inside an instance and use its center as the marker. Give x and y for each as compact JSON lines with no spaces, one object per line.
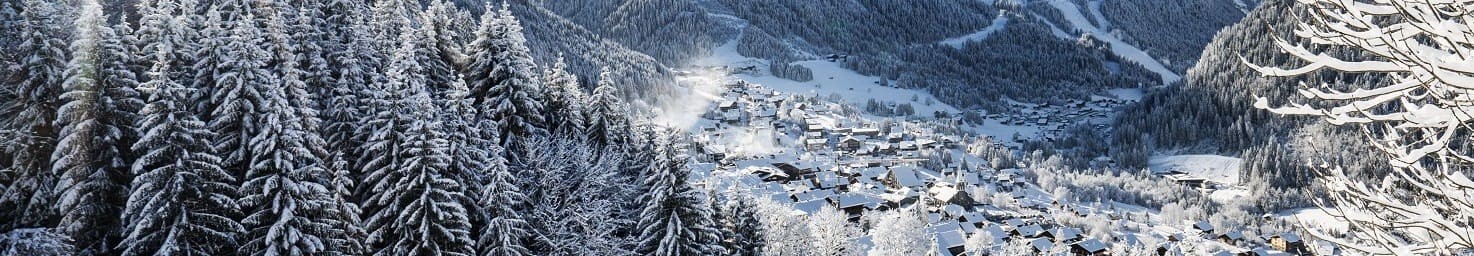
{"x":1316,"y":218}
{"x":1128,"y":94}
{"x":1077,"y":19}
{"x":998,"y":24}
{"x":829,"y":79}
{"x":1219,"y":169}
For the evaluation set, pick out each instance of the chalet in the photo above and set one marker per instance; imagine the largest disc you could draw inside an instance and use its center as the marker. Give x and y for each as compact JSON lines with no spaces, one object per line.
{"x":1288,"y":242}
{"x":902,"y":177}
{"x":1029,"y":231}
{"x":855,"y":204}
{"x":1041,"y":245}
{"x":900,"y":197}
{"x":1232,"y":237}
{"x":811,"y":195}
{"x":715,"y":151}
{"x":766,"y":113}
{"x":1203,"y":227}
{"x":814,"y":127}
{"x":1064,"y":235}
{"x":1089,"y":247}
{"x":800,"y":168}
{"x":831,"y":180}
{"x":948,"y":194}
{"x":727,"y":105}
{"x":1188,"y":180}
{"x":868,"y":132}
{"x":850,"y":144}
{"x":769,"y":174}
{"x":951,"y":241}
{"x":816,"y":144}
{"x":731,"y":117}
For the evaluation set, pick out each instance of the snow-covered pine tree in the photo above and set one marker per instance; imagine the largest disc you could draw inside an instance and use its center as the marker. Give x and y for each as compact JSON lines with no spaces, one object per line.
{"x":831,"y":233}
{"x":784,"y":230}
{"x":444,"y":54}
{"x":181,"y":201}
{"x":355,"y":64}
{"x":501,"y":76}
{"x":28,"y":201}
{"x":307,"y":31}
{"x":606,"y":112}
{"x":178,"y":23}
{"x":563,"y":100}
{"x":503,"y":227}
{"x":415,"y":206}
{"x":675,"y":220}
{"x":438,"y":58}
{"x":36,"y":242}
{"x":900,"y":232}
{"x":389,"y":20}
{"x":741,"y":229}
{"x":471,"y":152}
{"x":237,"y":98}
{"x":97,"y":119}
{"x":287,"y":196}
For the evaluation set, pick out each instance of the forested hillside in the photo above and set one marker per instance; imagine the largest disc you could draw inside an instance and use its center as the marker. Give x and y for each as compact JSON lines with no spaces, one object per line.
{"x":1172,"y":30}
{"x":332,"y":127}
{"x":1212,"y":110}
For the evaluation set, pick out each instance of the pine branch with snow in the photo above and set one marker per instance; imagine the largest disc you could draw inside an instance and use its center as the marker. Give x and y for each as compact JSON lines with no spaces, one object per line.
{"x":1420,"y":119}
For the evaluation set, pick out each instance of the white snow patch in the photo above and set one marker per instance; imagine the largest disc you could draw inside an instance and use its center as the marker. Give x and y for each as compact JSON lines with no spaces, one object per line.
{"x":998,"y":24}
{"x":1317,"y":218}
{"x":1128,"y":94}
{"x":1215,"y":168}
{"x":1225,"y":196}
{"x":853,"y":88}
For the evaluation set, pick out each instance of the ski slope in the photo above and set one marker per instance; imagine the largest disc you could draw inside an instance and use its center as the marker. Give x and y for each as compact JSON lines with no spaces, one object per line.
{"x":1078,"y":20}
{"x":998,"y":24}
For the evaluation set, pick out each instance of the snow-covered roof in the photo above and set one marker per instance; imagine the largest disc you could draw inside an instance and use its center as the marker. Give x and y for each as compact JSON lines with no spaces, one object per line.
{"x":1029,"y":230}
{"x":811,"y":207}
{"x":905,"y":176}
{"x":853,"y":199}
{"x":950,"y":239}
{"x":1065,"y":233}
{"x":943,"y":193}
{"x":1042,"y":244}
{"x":1091,"y":245}
{"x":1290,"y":237}
{"x":1203,"y":226}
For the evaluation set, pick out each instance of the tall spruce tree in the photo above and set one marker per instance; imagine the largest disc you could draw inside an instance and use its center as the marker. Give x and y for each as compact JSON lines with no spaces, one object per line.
{"x":607,"y":117}
{"x":563,"y":100}
{"x":415,"y":207}
{"x":504,"y":227}
{"x":741,"y":229}
{"x":97,"y":119}
{"x":181,"y":201}
{"x":28,"y":199}
{"x":237,"y":97}
{"x":675,"y":219}
{"x":501,"y":76}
